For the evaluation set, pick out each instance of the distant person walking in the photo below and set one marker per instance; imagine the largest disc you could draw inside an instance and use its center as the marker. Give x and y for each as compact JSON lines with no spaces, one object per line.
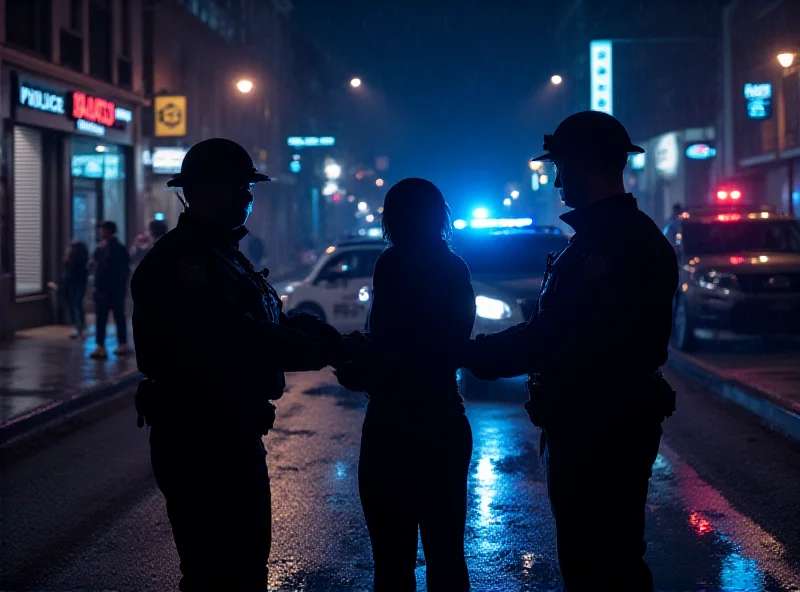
{"x":73,"y":285}
{"x":112,"y":269}
{"x":144,"y":242}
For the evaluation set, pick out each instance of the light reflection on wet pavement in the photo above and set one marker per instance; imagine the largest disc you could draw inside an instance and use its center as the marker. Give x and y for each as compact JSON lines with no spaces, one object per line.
{"x":697,"y":539}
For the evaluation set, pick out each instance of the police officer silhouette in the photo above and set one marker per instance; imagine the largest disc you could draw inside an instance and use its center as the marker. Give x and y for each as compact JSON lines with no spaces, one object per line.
{"x":593,"y":349}
{"x":213,"y":343}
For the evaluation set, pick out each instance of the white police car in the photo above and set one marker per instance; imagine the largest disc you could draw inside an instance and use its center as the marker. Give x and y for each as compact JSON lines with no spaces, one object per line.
{"x":506,"y":259}
{"x":339,"y":288}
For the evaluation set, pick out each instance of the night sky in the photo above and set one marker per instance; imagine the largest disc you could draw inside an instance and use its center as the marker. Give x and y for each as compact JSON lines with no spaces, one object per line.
{"x":462,"y":86}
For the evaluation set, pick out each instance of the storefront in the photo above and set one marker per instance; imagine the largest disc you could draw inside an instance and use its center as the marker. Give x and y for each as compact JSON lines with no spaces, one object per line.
{"x":67,"y":162}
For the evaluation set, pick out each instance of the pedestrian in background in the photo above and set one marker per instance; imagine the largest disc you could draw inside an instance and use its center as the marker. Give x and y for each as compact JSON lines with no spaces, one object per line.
{"x":74,"y":282}
{"x":416,"y":442}
{"x":145,"y":241}
{"x":111,"y":264}
{"x":593,"y":348}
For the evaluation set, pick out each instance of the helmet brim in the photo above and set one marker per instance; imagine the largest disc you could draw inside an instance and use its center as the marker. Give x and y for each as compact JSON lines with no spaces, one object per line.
{"x":551,"y":157}
{"x":181,"y":180}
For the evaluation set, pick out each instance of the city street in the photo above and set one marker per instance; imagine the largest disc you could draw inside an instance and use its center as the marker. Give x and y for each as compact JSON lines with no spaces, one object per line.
{"x":84,"y":513}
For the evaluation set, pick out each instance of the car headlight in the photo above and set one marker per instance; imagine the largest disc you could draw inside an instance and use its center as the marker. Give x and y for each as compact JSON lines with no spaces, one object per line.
{"x":715,"y":280}
{"x":284,"y":298}
{"x":492,"y":308}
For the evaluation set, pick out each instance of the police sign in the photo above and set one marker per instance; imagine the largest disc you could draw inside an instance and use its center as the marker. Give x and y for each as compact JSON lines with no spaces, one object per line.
{"x":41,"y":100}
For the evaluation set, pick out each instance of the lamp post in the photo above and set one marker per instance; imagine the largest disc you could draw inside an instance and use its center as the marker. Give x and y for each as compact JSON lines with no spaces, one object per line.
{"x":786,"y":59}
{"x":244,"y":85}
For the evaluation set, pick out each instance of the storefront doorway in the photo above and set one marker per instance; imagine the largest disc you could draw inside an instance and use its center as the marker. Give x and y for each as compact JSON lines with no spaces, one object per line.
{"x":98,"y":188}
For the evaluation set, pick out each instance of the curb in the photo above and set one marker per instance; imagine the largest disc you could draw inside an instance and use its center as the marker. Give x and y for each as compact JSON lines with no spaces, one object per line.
{"x":760,"y":403}
{"x":74,"y":403}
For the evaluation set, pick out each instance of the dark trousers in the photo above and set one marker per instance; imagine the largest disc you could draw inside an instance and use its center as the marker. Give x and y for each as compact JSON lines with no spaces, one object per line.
{"x":413,"y":479}
{"x":598,"y":491}
{"x":115,"y":304}
{"x":219,"y":506}
{"x":75,"y":293}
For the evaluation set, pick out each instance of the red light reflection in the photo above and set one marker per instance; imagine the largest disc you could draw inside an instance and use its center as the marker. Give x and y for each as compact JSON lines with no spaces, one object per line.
{"x":737,"y":260}
{"x":699,"y":523}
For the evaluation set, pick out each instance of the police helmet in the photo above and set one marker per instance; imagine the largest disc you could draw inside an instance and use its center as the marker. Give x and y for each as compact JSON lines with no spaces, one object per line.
{"x":588,"y":134}
{"x":216,"y":160}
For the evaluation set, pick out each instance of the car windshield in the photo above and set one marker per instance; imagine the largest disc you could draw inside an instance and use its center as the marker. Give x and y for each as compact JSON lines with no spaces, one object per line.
{"x":781,"y":236}
{"x":507,"y":253}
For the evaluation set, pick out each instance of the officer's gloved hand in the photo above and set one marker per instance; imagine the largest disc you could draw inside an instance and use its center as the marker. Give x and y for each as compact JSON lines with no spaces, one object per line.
{"x":475,"y":359}
{"x":354,"y":370}
{"x":313,"y":325}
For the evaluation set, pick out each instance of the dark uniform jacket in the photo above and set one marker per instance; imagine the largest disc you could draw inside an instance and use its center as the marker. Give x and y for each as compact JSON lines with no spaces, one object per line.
{"x":604,"y":313}
{"x":208,"y":328}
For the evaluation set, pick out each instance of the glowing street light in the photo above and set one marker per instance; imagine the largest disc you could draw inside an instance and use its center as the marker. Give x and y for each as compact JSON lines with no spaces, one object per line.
{"x":333,"y":171}
{"x":535,"y":165}
{"x":355,"y":82}
{"x":370,"y":218}
{"x":507,"y":201}
{"x":244,"y":85}
{"x":362,"y":206}
{"x":379,"y":182}
{"x":514,"y":194}
{"x":786,"y":59}
{"x":543,"y":179}
{"x":556,"y":79}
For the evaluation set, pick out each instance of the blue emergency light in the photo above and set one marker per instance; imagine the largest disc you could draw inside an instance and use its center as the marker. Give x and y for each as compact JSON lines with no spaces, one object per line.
{"x":481,"y":223}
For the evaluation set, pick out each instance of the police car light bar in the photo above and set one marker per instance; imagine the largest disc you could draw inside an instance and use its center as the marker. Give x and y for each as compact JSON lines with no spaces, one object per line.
{"x":496,"y":223}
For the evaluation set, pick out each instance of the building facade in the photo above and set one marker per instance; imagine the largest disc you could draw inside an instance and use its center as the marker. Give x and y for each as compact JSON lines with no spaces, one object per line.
{"x":71,"y":99}
{"x":761,"y":99}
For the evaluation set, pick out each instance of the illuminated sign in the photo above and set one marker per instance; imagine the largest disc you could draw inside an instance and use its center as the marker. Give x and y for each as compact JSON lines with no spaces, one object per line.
{"x":170,"y":113}
{"x":298,"y":142}
{"x":638,"y":161}
{"x":90,"y":127}
{"x":667,"y":152}
{"x":700,"y":152}
{"x":295,"y":166}
{"x":96,"y":166}
{"x":93,"y":109}
{"x":759,"y":100}
{"x":123,"y":115}
{"x":41,"y":100}
{"x":601,"y":77}
{"x":167,"y":161}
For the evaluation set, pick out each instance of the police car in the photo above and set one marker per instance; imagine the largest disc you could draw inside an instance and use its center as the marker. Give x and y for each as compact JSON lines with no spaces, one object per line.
{"x":506,"y":258}
{"x":739,"y":273}
{"x":339,"y":287}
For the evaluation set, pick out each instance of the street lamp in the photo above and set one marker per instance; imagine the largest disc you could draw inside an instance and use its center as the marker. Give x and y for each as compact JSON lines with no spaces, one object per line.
{"x":355,"y":82}
{"x":244,"y":85}
{"x":556,"y":79}
{"x":786,"y":59}
{"x":514,"y":194}
{"x":370,"y":218}
{"x":379,"y":182}
{"x":362,"y":206}
{"x":507,"y":202}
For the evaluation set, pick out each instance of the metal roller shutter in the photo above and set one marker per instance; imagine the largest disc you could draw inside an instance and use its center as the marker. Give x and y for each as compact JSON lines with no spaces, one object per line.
{"x":28,"y":211}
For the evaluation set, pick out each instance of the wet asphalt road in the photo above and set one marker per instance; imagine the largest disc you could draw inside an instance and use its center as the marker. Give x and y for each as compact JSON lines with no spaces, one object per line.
{"x":723,"y":512}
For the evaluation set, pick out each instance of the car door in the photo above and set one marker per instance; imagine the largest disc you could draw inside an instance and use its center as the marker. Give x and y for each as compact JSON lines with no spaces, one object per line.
{"x":339,"y":283}
{"x":360,"y":290}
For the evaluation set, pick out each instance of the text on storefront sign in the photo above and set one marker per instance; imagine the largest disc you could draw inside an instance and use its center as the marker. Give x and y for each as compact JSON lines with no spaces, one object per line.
{"x":41,"y":100}
{"x":93,"y":109}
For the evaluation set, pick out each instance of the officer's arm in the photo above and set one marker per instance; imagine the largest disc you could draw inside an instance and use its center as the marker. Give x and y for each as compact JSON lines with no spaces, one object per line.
{"x":499,"y":355}
{"x":203,"y":324}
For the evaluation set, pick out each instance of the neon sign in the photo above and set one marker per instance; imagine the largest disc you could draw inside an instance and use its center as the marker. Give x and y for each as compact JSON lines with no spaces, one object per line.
{"x":41,"y":100}
{"x":700,"y":152}
{"x":310,"y":141}
{"x":93,"y":109}
{"x":601,"y":79}
{"x":90,"y":127}
{"x":759,"y":100}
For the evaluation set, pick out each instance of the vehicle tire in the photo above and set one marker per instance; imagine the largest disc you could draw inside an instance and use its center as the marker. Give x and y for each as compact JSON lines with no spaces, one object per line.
{"x":683,"y":326}
{"x":310,"y":308}
{"x":473,"y":389}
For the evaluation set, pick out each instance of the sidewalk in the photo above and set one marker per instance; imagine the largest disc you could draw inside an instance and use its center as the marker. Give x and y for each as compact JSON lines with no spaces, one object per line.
{"x":44,"y":373}
{"x":766,"y":383}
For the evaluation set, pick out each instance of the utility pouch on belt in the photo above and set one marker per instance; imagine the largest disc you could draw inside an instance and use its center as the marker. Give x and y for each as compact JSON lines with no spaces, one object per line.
{"x":538,"y":404}
{"x":145,"y":402}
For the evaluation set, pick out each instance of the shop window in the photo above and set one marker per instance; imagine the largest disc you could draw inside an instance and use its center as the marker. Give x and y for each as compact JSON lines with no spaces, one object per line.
{"x":28,"y":200}
{"x":98,"y":188}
